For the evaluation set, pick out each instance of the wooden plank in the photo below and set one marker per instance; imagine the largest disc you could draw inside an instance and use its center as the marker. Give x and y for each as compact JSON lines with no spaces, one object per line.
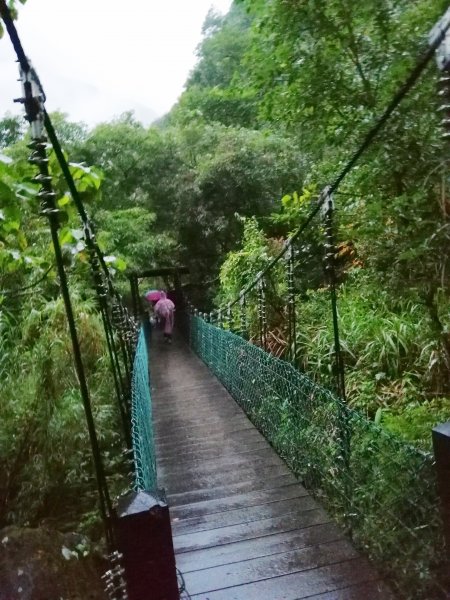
{"x":183,"y":431}
{"x":297,"y":586}
{"x":374,"y":590}
{"x":199,"y":437}
{"x":198,"y":481}
{"x":195,"y":405}
{"x":257,"y":547}
{"x":197,"y":413}
{"x":245,"y":531}
{"x":238,"y":440}
{"x":253,"y":498}
{"x":212,"y":451}
{"x":195,"y":387}
{"x":229,"y":460}
{"x":223,"y":491}
{"x":268,"y":567}
{"x":243,"y":515}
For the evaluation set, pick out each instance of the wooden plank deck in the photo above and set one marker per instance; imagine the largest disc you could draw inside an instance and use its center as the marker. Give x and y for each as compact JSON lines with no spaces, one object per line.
{"x":244,"y":528}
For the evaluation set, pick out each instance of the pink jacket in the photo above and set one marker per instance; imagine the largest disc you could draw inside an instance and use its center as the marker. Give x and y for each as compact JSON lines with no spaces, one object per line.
{"x":164,"y":309}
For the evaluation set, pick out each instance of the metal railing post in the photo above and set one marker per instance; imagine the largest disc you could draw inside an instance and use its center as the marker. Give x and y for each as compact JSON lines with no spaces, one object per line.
{"x":330,"y":272}
{"x":243,"y":315}
{"x":292,"y":316}
{"x":262,"y":313}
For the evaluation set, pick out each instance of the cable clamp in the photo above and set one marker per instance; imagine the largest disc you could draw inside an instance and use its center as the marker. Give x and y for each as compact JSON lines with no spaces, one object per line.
{"x":442,"y":30}
{"x":326,"y":201}
{"x":33,"y":100}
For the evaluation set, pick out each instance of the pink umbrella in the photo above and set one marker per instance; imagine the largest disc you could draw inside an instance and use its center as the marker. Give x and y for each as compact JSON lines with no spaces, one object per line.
{"x":153,"y":295}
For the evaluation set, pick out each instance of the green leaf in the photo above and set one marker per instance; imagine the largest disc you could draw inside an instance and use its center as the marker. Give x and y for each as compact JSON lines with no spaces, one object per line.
{"x":6,"y":193}
{"x":120,"y":264}
{"x":64,"y":200}
{"x":378,"y":416}
{"x":22,"y":240}
{"x":11,"y":226}
{"x":66,"y":236}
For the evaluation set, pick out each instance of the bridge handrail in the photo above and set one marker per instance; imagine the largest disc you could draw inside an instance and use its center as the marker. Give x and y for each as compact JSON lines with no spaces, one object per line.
{"x":380,"y":488}
{"x":142,"y":421}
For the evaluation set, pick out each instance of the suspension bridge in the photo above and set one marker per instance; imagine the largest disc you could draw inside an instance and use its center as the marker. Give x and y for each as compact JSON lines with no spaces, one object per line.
{"x":274,"y":487}
{"x":243,"y":526}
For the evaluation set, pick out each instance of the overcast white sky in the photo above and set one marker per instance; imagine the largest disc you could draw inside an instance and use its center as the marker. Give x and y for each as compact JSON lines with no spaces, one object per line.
{"x":96,"y":61}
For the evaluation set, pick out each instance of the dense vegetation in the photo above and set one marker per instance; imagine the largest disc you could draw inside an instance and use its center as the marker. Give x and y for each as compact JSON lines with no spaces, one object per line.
{"x":281,"y":96}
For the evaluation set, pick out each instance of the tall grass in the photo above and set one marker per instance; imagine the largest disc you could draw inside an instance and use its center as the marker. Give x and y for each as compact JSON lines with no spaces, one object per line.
{"x":393,"y":358}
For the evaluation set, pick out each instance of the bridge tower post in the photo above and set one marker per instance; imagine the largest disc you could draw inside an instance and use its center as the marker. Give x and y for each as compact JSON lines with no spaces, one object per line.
{"x":144,"y":537}
{"x":441,"y":447}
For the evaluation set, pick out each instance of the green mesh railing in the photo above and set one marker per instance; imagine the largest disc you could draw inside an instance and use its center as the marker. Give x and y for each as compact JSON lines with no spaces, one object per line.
{"x":141,"y":420}
{"x":381,"y":489}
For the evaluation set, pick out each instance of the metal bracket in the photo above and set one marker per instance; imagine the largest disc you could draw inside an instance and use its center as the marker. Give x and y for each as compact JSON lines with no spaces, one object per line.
{"x":326,"y":201}
{"x":443,"y":52}
{"x":33,"y":99}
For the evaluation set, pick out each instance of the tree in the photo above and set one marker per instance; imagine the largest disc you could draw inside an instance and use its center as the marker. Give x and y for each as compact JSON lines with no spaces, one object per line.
{"x":11,"y":130}
{"x":227,"y":171}
{"x":138,"y":163}
{"x":130,"y":234}
{"x":210,"y":91}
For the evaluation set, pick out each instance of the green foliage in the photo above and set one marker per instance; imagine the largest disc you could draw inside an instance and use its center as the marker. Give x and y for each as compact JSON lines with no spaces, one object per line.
{"x":221,"y":50}
{"x":12,"y":5}
{"x":70,"y":134}
{"x":235,"y":171}
{"x":416,"y":420}
{"x":242,"y":266}
{"x":24,"y":241}
{"x":129,"y":233}
{"x":281,"y":96}
{"x":298,"y":48}
{"x":17,"y":250}
{"x":210,"y":91}
{"x":119,"y":149}
{"x":44,"y":445}
{"x":393,"y":229}
{"x":391,"y":355}
{"x":11,"y":130}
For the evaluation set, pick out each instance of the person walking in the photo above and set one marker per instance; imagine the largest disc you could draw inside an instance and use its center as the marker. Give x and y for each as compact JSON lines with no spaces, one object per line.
{"x":165,"y":309}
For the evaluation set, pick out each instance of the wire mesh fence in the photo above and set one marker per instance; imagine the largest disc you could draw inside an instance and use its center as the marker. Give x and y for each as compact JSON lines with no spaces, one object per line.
{"x":382,"y":490}
{"x":141,"y":420}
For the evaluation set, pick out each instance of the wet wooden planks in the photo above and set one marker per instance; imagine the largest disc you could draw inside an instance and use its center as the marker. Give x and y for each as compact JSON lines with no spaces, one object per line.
{"x":243,"y":527}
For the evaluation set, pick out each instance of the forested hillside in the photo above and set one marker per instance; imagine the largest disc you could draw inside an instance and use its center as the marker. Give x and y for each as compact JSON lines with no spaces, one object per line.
{"x":281,"y":97}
